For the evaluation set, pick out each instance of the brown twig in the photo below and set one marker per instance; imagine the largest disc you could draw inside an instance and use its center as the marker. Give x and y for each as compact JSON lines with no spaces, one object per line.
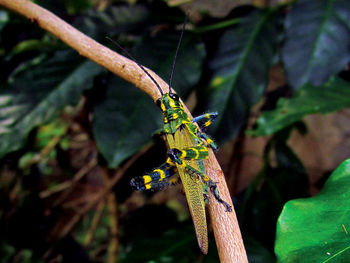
{"x":101,"y":195}
{"x":94,"y":223}
{"x":113,"y":225}
{"x":69,"y":184}
{"x":227,"y":233}
{"x":44,"y":152}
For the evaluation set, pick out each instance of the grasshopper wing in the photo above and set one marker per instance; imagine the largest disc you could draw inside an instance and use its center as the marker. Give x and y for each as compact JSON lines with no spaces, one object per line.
{"x":193,"y":187}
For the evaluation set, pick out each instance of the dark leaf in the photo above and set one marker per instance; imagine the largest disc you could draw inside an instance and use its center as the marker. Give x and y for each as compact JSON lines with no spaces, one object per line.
{"x":158,"y":53}
{"x":172,"y":246}
{"x":38,"y":92}
{"x":256,"y":252}
{"x":238,"y":67}
{"x":317,"y":41}
{"x":124,"y":121}
{"x":114,"y":20}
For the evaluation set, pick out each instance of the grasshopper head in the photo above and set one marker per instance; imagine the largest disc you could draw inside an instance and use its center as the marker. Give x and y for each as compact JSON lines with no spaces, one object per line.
{"x":169,"y":102}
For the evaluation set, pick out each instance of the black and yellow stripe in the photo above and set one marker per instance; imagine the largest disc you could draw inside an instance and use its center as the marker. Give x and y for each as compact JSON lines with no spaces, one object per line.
{"x":156,"y":179}
{"x":205,"y":120}
{"x":207,"y":139}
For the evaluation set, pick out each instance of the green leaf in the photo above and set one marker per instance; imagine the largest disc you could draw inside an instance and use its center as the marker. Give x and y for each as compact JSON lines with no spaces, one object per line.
{"x":52,"y":130}
{"x":38,"y":92}
{"x":126,"y":119}
{"x":316,"y":229}
{"x":238,"y":67}
{"x":332,"y":96}
{"x":317,"y":41}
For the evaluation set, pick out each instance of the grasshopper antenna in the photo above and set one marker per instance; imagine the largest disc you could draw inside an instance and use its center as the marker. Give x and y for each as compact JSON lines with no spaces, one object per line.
{"x":138,"y":64}
{"x":177,"y":50}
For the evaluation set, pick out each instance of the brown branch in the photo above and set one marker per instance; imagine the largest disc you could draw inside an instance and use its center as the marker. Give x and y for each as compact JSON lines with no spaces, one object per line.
{"x":227,"y":233}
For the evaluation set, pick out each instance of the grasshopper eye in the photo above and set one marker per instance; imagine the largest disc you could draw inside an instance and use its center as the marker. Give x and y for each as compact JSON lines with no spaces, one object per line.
{"x":174,"y":96}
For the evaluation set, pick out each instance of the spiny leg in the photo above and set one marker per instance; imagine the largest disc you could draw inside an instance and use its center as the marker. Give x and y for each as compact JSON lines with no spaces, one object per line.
{"x":157,"y":179}
{"x":214,"y":189}
{"x":211,"y":184}
{"x":205,"y":194}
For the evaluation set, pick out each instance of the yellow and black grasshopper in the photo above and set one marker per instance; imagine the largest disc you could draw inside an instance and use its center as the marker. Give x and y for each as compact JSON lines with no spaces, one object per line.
{"x":188,"y":147}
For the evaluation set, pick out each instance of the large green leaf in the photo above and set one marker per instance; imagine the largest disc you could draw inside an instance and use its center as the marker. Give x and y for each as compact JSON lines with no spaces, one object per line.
{"x":238,"y":67}
{"x":316,"y":229}
{"x":38,"y":92}
{"x":332,"y":96}
{"x":125,"y":119}
{"x":317,"y":40}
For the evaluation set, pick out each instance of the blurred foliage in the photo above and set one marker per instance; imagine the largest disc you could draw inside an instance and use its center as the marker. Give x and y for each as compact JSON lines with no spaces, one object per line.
{"x":72,"y":135}
{"x":310,"y":99}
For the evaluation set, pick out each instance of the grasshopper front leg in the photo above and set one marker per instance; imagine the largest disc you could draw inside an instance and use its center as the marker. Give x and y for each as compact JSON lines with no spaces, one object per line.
{"x":205,"y":121}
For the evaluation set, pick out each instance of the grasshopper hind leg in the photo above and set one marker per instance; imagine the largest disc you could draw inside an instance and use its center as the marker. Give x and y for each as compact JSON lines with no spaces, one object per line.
{"x":199,"y":152}
{"x":159,"y":178}
{"x":214,"y":189}
{"x":212,"y":186}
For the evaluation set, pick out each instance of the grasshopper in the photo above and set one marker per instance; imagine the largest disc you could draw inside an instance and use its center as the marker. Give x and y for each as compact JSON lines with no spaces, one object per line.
{"x":188,"y":147}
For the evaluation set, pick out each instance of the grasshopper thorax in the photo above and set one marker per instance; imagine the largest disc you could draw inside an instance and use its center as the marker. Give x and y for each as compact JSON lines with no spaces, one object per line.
{"x":173,"y":112}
